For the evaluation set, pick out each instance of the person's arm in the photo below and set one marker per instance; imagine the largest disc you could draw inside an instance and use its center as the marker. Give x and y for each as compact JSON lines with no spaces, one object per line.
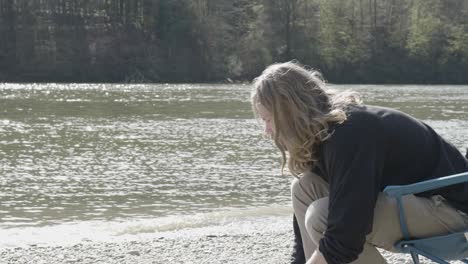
{"x":353,"y":159}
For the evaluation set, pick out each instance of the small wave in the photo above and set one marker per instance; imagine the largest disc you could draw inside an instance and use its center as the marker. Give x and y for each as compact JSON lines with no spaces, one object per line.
{"x":236,"y":220}
{"x":172,"y":223}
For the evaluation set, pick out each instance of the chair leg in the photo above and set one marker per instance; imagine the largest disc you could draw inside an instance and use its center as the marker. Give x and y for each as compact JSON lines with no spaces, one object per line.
{"x":415,"y":258}
{"x":416,"y":252}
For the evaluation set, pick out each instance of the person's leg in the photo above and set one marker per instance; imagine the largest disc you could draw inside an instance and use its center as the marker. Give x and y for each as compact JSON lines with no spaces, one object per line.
{"x":297,"y":256}
{"x":304,"y":191}
{"x":316,"y":224}
{"x":425,"y":217}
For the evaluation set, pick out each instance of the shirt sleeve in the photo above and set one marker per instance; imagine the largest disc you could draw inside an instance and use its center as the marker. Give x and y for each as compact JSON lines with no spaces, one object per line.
{"x":353,"y":160}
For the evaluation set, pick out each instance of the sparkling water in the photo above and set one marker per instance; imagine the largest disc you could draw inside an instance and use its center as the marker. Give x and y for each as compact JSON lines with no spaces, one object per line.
{"x":104,"y":160}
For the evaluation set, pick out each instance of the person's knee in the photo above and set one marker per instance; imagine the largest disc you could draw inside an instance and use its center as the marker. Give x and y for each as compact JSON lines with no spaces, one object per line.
{"x":294,"y":185}
{"x":297,"y":195}
{"x":301,"y":185}
{"x":295,"y":188}
{"x":316,"y":219}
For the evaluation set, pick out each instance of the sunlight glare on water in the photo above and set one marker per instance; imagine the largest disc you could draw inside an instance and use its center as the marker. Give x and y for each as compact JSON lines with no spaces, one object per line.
{"x":104,"y":152}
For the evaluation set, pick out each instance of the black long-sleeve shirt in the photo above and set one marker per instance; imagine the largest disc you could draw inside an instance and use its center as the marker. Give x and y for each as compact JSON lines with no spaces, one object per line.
{"x":376,"y":147}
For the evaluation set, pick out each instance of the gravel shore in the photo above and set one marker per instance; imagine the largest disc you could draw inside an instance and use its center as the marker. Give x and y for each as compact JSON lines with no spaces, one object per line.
{"x":246,"y":242}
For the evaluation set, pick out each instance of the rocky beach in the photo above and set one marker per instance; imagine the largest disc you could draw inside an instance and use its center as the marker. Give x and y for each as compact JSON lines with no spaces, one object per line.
{"x":266,"y":241}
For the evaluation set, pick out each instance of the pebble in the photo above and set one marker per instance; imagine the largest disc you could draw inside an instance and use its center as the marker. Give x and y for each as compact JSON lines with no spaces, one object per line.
{"x":219,"y":248}
{"x":134,"y":253}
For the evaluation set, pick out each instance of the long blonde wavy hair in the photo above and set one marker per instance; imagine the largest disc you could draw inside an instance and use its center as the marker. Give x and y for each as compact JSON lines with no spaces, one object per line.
{"x":302,"y":111}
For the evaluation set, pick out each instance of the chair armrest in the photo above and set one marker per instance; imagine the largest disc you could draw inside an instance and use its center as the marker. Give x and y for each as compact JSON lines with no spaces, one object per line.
{"x":400,"y":190}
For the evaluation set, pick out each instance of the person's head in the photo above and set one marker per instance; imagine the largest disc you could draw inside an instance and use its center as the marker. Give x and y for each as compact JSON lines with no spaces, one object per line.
{"x":297,"y":111}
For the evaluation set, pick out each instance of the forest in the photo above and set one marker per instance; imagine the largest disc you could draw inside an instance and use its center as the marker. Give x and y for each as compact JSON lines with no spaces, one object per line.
{"x":180,"y":41}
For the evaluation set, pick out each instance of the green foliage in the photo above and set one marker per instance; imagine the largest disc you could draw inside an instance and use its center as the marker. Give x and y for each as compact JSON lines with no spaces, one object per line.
{"x":458,"y":42}
{"x":426,"y":32}
{"x":342,"y":39}
{"x":363,"y":41}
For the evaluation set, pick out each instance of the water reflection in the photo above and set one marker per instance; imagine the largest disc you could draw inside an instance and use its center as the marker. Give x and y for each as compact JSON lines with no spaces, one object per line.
{"x":91,"y":152}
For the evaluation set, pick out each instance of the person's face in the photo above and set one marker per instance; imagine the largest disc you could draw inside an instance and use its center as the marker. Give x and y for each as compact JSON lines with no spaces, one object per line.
{"x":267,"y":119}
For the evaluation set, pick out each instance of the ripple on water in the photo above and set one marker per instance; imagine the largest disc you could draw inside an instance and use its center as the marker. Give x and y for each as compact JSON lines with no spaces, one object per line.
{"x":89,"y":152}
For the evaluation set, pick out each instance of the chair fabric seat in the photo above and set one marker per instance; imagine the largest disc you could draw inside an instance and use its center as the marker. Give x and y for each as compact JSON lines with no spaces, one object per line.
{"x":449,"y":247}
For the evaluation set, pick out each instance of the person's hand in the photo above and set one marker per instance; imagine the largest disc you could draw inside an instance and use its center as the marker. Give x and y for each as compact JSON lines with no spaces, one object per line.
{"x":317,"y":258}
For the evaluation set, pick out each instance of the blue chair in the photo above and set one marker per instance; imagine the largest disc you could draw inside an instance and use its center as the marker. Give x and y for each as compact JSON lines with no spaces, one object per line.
{"x":439,"y":249}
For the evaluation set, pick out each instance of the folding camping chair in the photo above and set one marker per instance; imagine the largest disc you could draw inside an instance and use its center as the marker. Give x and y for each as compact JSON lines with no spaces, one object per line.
{"x":439,"y":249}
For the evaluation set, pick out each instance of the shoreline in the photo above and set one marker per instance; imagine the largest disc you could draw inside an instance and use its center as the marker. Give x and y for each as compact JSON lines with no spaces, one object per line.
{"x":236,"y":242}
{"x":267,"y":241}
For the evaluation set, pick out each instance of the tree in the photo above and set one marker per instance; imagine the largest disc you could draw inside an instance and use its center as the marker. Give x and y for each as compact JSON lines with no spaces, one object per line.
{"x":8,"y":39}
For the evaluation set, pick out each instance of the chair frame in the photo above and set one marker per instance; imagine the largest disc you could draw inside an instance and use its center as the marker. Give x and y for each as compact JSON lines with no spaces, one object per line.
{"x":407,"y":245}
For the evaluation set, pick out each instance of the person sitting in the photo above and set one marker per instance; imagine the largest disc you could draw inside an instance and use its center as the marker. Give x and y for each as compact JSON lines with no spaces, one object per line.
{"x":343,"y":153}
